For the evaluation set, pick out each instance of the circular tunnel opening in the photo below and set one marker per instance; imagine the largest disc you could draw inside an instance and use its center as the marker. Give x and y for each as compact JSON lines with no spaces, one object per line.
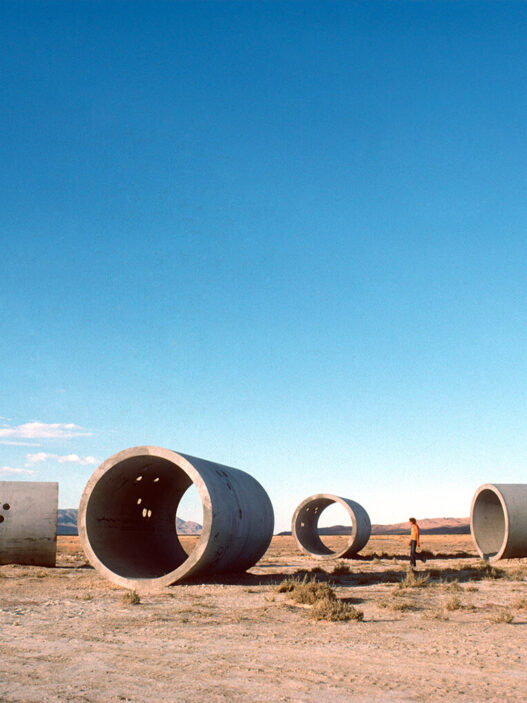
{"x":189,"y":519}
{"x":489,"y":523}
{"x":131,"y":517}
{"x":311,"y":531}
{"x":334,"y":527}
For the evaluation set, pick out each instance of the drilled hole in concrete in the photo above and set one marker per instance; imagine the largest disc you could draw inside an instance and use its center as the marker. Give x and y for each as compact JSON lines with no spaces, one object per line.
{"x":6,"y":506}
{"x":1,"y":518}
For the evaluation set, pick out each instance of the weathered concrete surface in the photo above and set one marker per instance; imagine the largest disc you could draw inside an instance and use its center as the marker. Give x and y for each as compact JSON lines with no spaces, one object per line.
{"x":498,"y":520}
{"x":127,"y":517}
{"x":305,"y":526}
{"x":28,"y":522}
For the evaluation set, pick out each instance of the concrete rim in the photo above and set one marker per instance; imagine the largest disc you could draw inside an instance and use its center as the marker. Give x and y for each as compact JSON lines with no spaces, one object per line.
{"x":183,"y":569}
{"x":493,"y":489}
{"x":360,"y":531}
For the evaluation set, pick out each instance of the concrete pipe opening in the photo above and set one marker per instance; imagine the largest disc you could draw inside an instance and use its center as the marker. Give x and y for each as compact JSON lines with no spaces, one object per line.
{"x":498,"y":521}
{"x":306,"y":532}
{"x":127,"y":518}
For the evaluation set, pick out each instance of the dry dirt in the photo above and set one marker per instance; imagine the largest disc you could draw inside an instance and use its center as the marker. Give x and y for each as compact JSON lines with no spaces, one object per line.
{"x":67,"y":635}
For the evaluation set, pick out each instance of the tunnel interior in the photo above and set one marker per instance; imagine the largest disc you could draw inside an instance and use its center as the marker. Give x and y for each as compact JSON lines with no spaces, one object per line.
{"x":131,"y":517}
{"x":489,"y":525}
{"x":306,"y":526}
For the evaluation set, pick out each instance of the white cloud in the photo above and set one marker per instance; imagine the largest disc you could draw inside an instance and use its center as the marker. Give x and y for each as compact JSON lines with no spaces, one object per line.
{"x":43,"y":430}
{"x":19,"y":444}
{"x":65,"y":459}
{"x":11,"y":470}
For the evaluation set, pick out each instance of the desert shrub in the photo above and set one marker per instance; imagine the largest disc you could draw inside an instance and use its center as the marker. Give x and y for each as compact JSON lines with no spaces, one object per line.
{"x":487,"y":571}
{"x":334,"y":610}
{"x":396,"y":604}
{"x":131,"y":598}
{"x":501,"y":615}
{"x":341,"y":568}
{"x":310,"y":592}
{"x":287,"y":585}
{"x":453,"y":603}
{"x":471,"y":589}
{"x":412,"y":580}
{"x":452,"y":586}
{"x":437,"y":614}
{"x":519,"y":573}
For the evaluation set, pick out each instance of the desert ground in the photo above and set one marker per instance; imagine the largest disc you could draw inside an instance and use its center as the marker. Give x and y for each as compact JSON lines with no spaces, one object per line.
{"x":456,"y":630}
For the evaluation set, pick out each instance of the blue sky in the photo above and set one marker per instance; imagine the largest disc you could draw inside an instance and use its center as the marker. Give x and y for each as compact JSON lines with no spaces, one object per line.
{"x":288,"y":237}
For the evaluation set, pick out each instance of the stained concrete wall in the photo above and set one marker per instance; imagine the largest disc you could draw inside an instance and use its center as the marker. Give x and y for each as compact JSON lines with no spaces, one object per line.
{"x":28,"y":522}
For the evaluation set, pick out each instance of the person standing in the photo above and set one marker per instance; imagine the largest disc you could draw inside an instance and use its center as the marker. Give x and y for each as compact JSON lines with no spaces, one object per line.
{"x":414,"y":540}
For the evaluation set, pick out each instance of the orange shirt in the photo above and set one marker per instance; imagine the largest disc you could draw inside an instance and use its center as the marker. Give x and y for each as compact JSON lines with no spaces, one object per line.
{"x":414,"y":533}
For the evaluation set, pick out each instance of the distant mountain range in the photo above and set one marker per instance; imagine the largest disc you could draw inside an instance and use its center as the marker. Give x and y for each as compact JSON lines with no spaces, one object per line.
{"x":67,"y":524}
{"x":428,"y":526}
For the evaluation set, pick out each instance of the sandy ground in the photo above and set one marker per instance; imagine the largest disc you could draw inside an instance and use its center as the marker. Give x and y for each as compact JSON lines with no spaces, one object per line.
{"x":67,"y":635}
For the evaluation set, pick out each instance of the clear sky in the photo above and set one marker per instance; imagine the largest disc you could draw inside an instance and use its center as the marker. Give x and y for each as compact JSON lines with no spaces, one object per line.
{"x":290,"y":237}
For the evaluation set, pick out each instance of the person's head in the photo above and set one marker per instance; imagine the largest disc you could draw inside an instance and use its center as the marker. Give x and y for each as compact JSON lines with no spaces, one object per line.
{"x":412,"y":520}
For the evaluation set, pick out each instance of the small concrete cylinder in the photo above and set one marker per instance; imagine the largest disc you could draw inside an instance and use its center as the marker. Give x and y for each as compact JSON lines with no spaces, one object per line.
{"x":498,"y":520}
{"x":305,"y":526}
{"x":28,"y":522}
{"x":127,"y":518}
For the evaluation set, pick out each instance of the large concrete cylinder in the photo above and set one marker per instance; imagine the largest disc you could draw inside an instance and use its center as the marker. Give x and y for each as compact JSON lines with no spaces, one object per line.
{"x":28,"y":522}
{"x":305,"y":526}
{"x":127,"y":518}
{"x":498,"y":520}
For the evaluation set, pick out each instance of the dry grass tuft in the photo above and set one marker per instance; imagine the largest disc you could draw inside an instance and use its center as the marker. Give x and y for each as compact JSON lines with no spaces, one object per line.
{"x":396,"y":604}
{"x":131,"y":598}
{"x":501,"y":615}
{"x":437,"y":614}
{"x":310,"y":592}
{"x":519,"y":573}
{"x":341,"y":568}
{"x":306,"y":591}
{"x":334,"y":610}
{"x":287,"y":585}
{"x":452,"y":586}
{"x":453,"y":603}
{"x":519,"y":603}
{"x":322,"y":598}
{"x":490,"y":572}
{"x":412,"y":580}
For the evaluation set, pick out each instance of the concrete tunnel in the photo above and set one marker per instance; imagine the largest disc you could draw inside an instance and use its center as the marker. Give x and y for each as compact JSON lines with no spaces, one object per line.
{"x":498,"y":520}
{"x":127,"y":518}
{"x":305,"y":526}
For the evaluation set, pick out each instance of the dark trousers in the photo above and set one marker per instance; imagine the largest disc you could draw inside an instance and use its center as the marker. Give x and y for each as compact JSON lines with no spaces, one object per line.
{"x":413,"y":546}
